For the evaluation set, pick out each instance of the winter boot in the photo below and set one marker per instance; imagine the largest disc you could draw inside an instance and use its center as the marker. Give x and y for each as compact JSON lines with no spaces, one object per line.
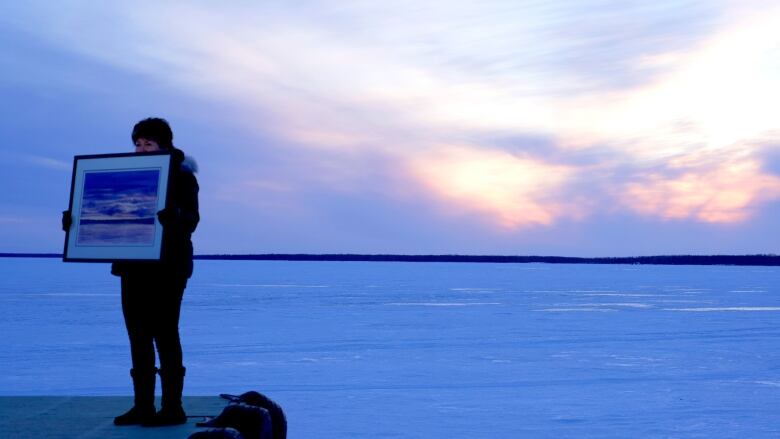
{"x":171,"y":411}
{"x":143,"y":408}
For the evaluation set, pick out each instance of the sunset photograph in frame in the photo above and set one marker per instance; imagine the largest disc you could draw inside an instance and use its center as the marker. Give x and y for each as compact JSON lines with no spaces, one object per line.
{"x":114,"y":203}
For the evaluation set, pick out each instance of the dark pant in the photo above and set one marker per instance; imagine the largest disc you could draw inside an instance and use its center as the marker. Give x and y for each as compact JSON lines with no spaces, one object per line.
{"x":151,"y":305}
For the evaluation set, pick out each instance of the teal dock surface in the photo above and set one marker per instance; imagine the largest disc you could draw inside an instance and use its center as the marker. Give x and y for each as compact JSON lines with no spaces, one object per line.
{"x":54,"y":417}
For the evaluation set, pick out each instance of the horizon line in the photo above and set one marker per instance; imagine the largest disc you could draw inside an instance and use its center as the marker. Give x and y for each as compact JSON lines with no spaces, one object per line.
{"x":761,"y":259}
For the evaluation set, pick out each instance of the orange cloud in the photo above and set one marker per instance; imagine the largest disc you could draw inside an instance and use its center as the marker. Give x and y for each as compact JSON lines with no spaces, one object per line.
{"x":727,"y":193}
{"x":513,"y":191}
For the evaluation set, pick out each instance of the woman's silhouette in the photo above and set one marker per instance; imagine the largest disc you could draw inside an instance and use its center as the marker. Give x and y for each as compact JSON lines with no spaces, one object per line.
{"x":152,"y":291}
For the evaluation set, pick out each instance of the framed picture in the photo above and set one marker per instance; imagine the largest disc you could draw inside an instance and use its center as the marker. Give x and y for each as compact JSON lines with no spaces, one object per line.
{"x":114,"y":200}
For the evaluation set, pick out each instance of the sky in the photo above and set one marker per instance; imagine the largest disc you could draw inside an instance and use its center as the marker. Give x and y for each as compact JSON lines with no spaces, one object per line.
{"x":522,"y":127}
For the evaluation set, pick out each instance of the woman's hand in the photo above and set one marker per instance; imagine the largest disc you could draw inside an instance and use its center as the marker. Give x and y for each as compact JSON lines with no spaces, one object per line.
{"x":168,"y":216}
{"x":67,"y":220}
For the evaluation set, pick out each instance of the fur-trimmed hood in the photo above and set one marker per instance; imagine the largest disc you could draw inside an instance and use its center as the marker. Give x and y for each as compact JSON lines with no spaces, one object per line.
{"x":189,"y":165}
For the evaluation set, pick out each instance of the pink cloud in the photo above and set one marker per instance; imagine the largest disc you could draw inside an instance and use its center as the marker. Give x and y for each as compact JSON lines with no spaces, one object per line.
{"x":724,"y":193}
{"x":511,"y":191}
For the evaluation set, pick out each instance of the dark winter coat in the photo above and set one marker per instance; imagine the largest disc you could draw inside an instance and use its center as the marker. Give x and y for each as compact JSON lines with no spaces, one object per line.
{"x":183,"y":218}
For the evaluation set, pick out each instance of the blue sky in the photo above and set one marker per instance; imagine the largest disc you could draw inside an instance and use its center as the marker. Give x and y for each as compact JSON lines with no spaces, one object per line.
{"x":581,"y":128}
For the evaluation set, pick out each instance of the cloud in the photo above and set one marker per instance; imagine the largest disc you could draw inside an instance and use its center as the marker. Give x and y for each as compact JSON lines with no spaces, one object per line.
{"x":708,"y":96}
{"x":13,"y":220}
{"x":326,"y":74}
{"x":364,"y":94}
{"x":515,"y":191}
{"x":724,"y":193}
{"x":47,"y":162}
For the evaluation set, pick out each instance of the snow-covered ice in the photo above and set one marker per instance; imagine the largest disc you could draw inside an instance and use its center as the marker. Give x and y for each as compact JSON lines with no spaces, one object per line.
{"x":430,"y":350}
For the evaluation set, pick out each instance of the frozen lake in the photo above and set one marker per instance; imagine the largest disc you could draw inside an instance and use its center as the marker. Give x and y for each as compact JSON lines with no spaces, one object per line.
{"x":430,"y":350}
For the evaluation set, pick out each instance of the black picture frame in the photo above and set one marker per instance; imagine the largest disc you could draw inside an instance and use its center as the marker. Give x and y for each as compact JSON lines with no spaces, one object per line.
{"x":114,"y":200}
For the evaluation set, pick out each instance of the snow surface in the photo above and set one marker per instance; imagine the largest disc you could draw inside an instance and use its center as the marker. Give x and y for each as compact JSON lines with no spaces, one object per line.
{"x":430,"y":350}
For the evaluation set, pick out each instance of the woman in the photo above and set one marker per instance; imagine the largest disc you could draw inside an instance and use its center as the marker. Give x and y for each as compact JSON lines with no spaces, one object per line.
{"x":152,"y":291}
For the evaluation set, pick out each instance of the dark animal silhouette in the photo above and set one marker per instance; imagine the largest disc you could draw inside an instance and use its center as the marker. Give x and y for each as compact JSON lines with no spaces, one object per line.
{"x":252,"y":415}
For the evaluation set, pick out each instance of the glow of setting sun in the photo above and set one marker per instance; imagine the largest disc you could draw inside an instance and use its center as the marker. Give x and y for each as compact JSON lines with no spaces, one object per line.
{"x":516,"y":191}
{"x":712,"y":96}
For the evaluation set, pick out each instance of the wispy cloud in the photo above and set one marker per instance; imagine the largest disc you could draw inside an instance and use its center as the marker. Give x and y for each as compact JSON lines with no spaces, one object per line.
{"x":48,"y":162}
{"x":725,"y":193}
{"x":13,"y":220}
{"x":712,"y":95}
{"x":671,"y":92}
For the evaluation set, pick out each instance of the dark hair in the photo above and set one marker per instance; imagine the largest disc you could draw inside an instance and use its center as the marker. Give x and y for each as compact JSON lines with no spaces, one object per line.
{"x":154,"y":128}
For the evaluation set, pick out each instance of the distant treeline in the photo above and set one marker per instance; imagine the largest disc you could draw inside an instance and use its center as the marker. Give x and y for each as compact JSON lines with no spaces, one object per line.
{"x":656,"y":260}
{"x":764,"y":260}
